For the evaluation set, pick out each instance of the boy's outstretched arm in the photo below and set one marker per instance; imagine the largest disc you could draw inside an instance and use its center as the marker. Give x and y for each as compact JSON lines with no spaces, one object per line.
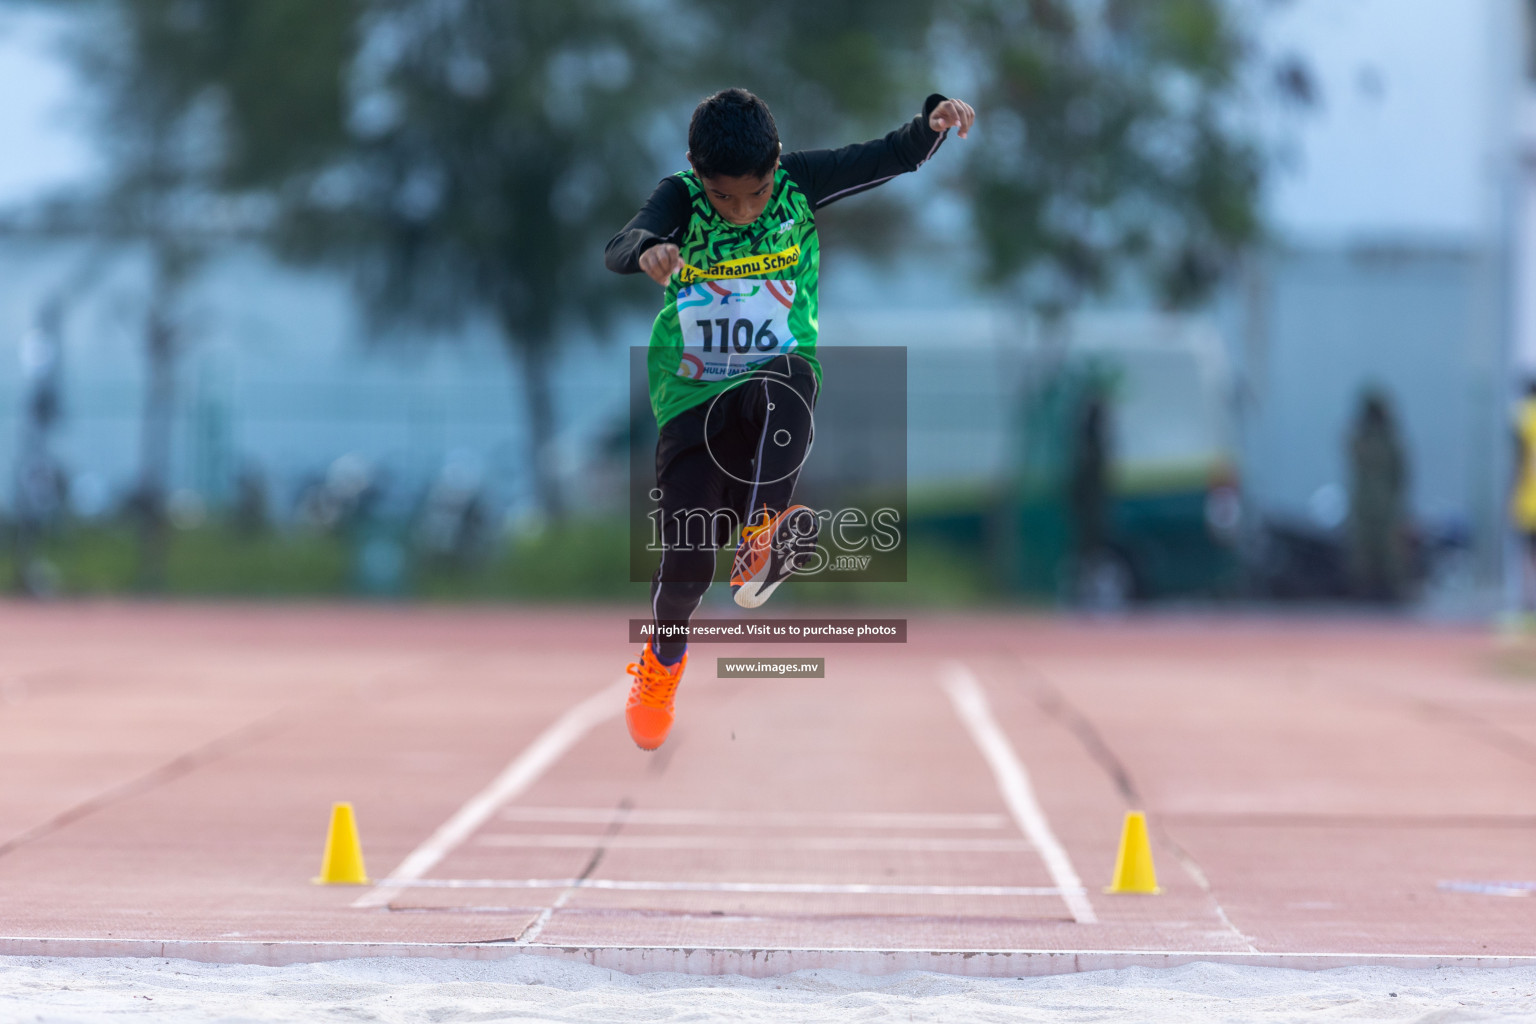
{"x":827,"y":175}
{"x":658,"y":225}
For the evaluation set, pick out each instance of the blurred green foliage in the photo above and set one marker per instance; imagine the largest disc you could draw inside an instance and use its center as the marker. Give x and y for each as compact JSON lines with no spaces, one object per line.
{"x":580,"y":562}
{"x":1111,"y":148}
{"x":213,"y":561}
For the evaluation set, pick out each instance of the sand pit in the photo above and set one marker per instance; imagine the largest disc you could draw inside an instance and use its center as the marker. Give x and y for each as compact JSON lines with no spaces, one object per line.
{"x":535,"y":988}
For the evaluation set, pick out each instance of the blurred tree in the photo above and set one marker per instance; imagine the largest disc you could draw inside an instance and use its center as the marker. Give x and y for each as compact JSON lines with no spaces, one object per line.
{"x":1110,"y":143}
{"x":473,"y":163}
{"x":833,"y":73}
{"x":462,"y":160}
{"x":147,"y":62}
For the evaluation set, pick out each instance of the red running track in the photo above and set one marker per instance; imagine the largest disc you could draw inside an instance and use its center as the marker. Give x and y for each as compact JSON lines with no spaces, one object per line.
{"x":166,"y":773}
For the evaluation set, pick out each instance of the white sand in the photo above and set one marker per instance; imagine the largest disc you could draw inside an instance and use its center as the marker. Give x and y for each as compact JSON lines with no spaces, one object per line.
{"x":540,"y":989}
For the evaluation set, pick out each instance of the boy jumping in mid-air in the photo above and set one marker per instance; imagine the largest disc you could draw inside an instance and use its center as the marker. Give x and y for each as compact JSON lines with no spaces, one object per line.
{"x":732,"y":361}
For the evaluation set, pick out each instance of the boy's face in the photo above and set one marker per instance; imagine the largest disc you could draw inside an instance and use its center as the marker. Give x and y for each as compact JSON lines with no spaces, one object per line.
{"x":740,"y":200}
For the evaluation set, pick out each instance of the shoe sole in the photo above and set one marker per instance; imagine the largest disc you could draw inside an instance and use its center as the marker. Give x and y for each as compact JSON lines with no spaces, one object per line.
{"x":754,"y":594}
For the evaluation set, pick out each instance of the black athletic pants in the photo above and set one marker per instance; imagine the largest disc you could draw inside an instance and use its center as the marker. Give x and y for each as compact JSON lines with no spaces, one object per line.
{"x":727,"y":461}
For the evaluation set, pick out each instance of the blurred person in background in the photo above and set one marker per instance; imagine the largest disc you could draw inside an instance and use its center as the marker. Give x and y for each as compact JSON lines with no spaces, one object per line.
{"x":1378,"y":484}
{"x":41,"y":483}
{"x":1088,"y":493}
{"x":250,"y":516}
{"x":1522,"y":506}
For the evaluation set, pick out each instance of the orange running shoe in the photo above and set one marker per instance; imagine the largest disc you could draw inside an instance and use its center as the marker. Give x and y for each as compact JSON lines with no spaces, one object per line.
{"x":770,"y":552}
{"x":649,"y":712}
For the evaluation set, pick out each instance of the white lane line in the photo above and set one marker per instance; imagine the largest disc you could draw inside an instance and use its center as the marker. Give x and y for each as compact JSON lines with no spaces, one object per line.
{"x":756,"y":819}
{"x":524,"y":770}
{"x":1013,"y":781}
{"x":922,"y":844}
{"x":811,"y":888}
{"x":534,"y":930}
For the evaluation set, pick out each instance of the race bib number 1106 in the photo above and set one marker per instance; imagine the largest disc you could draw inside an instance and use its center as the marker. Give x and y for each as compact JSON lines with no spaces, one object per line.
{"x":729,"y":327}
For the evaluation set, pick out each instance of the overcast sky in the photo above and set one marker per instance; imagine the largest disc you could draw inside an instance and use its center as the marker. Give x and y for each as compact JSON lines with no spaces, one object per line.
{"x":1403,"y":140}
{"x":41,"y":146}
{"x":1399,"y":145}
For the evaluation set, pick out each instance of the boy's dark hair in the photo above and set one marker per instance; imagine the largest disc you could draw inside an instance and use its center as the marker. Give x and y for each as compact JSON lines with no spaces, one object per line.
{"x":732,"y":134}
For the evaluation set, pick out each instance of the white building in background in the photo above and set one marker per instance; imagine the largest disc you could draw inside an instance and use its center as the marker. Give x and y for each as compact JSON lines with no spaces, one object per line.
{"x":277,"y":376}
{"x":1393,"y":261}
{"x":1519,"y":114}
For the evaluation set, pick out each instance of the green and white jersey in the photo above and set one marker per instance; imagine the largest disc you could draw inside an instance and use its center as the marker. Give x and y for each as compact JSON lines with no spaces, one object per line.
{"x":746,"y":294}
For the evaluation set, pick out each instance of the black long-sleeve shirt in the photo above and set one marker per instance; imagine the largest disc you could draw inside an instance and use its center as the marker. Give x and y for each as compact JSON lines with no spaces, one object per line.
{"x":824,"y":175}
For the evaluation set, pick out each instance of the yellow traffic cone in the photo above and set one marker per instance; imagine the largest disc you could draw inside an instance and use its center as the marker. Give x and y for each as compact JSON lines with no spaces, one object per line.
{"x":343,"y":861}
{"x":1133,"y":865}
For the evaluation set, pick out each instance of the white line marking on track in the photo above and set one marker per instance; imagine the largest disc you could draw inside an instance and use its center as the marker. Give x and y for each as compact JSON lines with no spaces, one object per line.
{"x":756,"y":819}
{"x":534,"y":930}
{"x":524,"y":770}
{"x":1195,"y":873}
{"x":921,"y":844}
{"x":812,"y":888}
{"x":1013,"y":781}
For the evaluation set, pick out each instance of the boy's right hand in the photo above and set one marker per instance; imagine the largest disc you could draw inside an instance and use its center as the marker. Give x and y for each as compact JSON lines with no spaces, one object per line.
{"x":660,"y":262}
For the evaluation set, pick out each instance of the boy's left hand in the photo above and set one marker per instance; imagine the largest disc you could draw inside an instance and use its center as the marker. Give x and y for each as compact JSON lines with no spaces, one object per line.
{"x":951,"y":113}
